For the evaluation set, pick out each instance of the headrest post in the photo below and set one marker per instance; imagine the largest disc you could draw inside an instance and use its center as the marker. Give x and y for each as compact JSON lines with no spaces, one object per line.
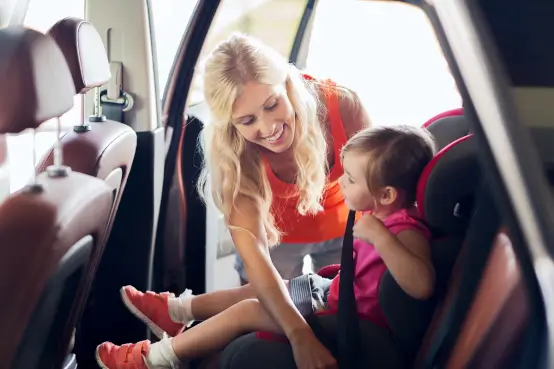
{"x":97,"y":112}
{"x":58,"y":169}
{"x":34,"y":186}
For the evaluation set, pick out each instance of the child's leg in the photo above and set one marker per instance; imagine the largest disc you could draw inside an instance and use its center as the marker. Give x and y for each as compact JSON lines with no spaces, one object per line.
{"x":211,"y":335}
{"x":216,"y":332}
{"x":165,"y":313}
{"x":207,"y":305}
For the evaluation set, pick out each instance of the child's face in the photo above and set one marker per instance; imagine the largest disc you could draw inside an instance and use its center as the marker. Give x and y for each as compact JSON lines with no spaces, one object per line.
{"x":353,"y":182}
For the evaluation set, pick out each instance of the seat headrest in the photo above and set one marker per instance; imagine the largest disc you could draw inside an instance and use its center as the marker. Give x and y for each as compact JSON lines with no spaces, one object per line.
{"x":448,"y":113}
{"x":35,"y":80}
{"x":84,"y":52}
{"x":446,"y":187}
{"x":447,"y":127}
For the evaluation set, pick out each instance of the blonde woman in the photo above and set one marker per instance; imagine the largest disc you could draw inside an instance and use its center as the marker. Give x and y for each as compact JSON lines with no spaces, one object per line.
{"x":272,"y":152}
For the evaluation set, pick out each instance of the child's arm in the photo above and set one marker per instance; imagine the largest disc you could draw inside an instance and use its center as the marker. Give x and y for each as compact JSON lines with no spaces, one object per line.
{"x":408,"y":258}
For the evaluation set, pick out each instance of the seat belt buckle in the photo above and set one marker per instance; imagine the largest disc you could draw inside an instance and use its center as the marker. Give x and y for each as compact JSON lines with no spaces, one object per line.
{"x":114,"y":93}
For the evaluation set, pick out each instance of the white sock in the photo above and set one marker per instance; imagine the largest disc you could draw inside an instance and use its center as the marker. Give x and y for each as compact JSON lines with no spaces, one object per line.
{"x":161,"y":355}
{"x":179,"y":308}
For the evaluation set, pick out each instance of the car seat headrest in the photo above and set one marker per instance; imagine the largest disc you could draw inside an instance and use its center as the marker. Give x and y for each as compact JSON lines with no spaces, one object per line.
{"x":84,"y":52}
{"x":448,"y":127}
{"x":447,"y":185}
{"x":36,"y":81}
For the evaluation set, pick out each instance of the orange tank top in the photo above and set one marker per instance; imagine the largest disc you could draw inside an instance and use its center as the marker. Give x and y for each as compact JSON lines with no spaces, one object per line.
{"x":329,"y":223}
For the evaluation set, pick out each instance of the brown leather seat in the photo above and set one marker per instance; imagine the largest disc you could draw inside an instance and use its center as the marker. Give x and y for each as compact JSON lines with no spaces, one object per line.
{"x":498,"y":315}
{"x":49,"y":229}
{"x":106,"y":150}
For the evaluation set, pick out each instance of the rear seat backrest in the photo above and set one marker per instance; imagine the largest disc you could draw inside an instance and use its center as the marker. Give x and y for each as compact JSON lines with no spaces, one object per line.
{"x":107,"y":149}
{"x":47,"y":230}
{"x":445,"y":191}
{"x":447,"y":127}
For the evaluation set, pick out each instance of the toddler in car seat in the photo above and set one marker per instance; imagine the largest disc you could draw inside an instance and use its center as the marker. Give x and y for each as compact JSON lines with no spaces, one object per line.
{"x":382,"y":167}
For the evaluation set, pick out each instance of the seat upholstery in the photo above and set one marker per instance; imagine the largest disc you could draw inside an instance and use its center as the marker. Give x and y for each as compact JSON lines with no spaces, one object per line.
{"x":448,"y":126}
{"x":47,"y":229}
{"x":106,"y":150}
{"x":498,"y":315}
{"x":445,"y":199}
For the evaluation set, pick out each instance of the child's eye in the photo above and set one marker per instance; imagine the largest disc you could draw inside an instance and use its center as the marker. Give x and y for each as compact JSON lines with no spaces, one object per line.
{"x":350,"y":180}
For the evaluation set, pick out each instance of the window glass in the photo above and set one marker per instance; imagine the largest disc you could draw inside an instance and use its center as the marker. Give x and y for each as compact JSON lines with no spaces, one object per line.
{"x":388,"y":53}
{"x":275,"y":22}
{"x":170,"y":21}
{"x":41,"y":15}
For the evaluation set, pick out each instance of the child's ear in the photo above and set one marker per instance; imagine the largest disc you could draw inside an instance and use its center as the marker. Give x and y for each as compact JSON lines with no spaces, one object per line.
{"x":388,"y":195}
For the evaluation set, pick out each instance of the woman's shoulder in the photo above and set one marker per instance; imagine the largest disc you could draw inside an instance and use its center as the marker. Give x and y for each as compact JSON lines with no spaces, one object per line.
{"x":351,"y":110}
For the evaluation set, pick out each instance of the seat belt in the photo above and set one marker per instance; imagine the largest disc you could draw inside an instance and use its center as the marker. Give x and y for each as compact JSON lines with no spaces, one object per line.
{"x":348,"y":329}
{"x":479,"y":240}
{"x":114,"y":101}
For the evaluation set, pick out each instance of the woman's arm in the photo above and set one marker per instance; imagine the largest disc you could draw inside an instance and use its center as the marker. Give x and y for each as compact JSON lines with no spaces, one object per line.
{"x":353,"y":113}
{"x":263,"y":276}
{"x":407,"y":256}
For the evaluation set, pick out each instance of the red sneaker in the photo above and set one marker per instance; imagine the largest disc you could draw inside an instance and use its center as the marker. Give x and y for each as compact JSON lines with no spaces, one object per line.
{"x":128,"y":356}
{"x":152,"y":309}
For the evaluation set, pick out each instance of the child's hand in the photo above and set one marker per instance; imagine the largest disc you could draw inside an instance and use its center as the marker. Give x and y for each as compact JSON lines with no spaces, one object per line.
{"x":370,"y":229}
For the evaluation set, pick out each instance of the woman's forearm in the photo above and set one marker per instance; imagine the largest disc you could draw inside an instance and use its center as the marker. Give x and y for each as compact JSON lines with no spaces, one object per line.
{"x":273,"y":295}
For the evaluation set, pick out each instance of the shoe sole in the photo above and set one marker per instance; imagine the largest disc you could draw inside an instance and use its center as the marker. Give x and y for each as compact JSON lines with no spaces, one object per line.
{"x":98,"y":361}
{"x":154,"y":328}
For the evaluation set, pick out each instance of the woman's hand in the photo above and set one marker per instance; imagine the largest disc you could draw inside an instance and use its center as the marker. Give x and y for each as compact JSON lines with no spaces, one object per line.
{"x":309,"y":353}
{"x":370,"y":229}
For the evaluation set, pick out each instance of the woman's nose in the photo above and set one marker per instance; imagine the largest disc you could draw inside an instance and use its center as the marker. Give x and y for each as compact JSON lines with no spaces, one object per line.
{"x":267,"y":128}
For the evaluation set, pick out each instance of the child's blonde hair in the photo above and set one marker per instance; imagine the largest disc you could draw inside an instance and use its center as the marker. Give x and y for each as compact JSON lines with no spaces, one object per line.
{"x":397,"y":154}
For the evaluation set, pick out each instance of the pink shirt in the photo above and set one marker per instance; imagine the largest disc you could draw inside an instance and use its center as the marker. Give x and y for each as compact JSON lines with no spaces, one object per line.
{"x":369,"y":267}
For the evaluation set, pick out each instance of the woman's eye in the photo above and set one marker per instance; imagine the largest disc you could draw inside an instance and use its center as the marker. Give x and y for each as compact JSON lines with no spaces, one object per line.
{"x":350,"y":180}
{"x":248,"y":122}
{"x":272,"y":107}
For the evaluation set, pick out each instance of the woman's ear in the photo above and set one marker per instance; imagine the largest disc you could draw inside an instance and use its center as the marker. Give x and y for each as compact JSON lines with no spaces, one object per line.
{"x":388,"y":195}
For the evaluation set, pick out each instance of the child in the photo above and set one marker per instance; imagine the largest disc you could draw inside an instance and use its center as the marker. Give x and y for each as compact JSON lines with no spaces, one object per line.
{"x":381,"y":170}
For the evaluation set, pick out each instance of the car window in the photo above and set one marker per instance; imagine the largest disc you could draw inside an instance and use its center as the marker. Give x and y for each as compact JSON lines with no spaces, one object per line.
{"x":41,"y":15}
{"x":275,"y":22}
{"x":170,"y":21}
{"x":388,"y":53}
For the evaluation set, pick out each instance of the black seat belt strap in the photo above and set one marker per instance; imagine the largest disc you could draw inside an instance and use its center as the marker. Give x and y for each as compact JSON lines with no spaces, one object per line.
{"x":348,"y":330}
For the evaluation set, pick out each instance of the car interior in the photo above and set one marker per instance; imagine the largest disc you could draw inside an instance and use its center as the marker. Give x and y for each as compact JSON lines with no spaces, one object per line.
{"x":101,"y":118}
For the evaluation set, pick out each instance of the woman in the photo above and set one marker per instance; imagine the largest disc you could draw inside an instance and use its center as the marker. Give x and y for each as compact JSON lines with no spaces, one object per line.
{"x":316,"y":118}
{"x":272,"y":152}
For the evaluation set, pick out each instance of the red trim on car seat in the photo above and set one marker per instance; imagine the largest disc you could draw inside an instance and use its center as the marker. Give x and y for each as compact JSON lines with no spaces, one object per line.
{"x":268,"y":336}
{"x":449,"y":113}
{"x":422,"y":183}
{"x":329,"y":271}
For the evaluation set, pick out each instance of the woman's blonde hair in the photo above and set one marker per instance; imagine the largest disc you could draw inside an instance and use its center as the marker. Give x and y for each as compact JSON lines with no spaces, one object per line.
{"x":235,"y":165}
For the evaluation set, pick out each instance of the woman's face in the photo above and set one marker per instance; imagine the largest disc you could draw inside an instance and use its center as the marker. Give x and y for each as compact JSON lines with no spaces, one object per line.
{"x":263,"y":115}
